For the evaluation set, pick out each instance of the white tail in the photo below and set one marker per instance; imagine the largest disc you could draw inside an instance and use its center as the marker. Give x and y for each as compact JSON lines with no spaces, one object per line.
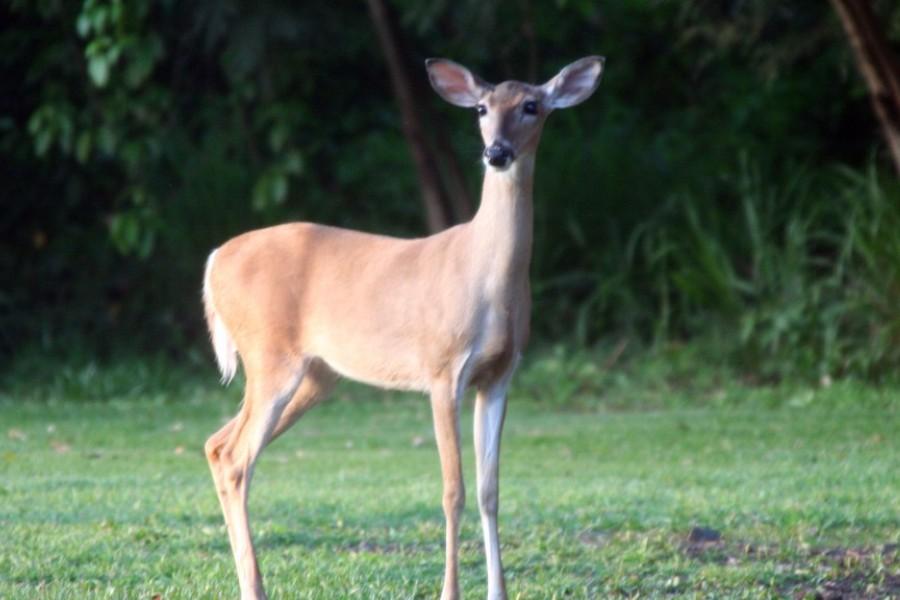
{"x":302,"y":303}
{"x":223,"y":344}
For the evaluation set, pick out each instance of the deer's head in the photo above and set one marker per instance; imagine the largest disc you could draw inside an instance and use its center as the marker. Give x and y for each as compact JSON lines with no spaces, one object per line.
{"x":511,"y":114}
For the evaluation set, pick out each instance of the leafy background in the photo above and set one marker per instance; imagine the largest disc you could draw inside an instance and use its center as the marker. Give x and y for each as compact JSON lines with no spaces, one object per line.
{"x":727,"y":186}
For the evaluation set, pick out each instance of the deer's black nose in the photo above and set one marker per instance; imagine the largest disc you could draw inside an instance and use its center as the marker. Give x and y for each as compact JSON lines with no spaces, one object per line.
{"x":498,"y":155}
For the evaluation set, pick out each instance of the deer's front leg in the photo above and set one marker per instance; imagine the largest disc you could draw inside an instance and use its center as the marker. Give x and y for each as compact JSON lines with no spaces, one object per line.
{"x":490,"y":412}
{"x":444,"y":406}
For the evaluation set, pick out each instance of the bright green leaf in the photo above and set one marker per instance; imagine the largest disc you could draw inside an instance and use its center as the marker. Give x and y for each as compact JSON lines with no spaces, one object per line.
{"x":83,"y":25}
{"x":98,"y":69}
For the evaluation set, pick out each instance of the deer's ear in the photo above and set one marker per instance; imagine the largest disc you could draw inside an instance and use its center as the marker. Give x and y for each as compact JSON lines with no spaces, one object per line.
{"x":455,"y":83}
{"x":575,"y":83}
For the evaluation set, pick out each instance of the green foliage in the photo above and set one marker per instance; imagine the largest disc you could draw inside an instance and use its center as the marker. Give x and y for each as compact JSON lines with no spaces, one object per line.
{"x":694,"y":196}
{"x":36,"y":377}
{"x":792,"y":276}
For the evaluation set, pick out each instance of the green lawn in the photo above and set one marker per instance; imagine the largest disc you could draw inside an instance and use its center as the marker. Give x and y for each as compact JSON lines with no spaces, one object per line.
{"x":113,"y":499}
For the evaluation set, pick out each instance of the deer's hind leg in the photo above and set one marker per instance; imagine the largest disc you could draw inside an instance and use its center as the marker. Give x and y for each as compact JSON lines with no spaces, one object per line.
{"x":232,"y":453}
{"x":316,"y":383}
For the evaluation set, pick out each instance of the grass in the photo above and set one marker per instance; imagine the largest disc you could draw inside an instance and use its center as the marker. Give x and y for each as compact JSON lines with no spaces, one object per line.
{"x":110,"y":497}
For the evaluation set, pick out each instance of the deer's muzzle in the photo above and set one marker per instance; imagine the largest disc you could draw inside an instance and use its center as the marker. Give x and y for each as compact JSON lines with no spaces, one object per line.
{"x":498,"y":155}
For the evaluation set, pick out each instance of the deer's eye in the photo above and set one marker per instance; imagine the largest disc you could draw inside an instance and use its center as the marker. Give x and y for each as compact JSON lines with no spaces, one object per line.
{"x":530,"y":107}
{"x":481,"y":109}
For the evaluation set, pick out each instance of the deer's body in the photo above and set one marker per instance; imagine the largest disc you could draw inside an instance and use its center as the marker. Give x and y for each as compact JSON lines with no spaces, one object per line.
{"x":427,"y":301}
{"x":303,"y":303}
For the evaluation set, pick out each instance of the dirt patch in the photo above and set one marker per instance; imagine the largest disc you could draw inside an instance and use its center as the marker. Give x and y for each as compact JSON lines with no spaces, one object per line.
{"x":854,"y":586}
{"x":868,"y":573}
{"x":725,"y":552}
{"x":709,"y":546}
{"x":851,"y":556}
{"x":593,"y":539}
{"x":372,"y":547}
{"x":860,"y":573}
{"x":704,"y":534}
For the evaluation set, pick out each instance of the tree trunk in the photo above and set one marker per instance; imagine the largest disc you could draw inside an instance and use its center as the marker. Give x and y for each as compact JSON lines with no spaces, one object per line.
{"x":454,"y":179}
{"x":878,"y":66}
{"x":442,"y":208}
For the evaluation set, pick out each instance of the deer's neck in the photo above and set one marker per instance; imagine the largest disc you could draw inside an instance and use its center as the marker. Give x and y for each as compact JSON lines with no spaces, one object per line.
{"x":503,"y":226}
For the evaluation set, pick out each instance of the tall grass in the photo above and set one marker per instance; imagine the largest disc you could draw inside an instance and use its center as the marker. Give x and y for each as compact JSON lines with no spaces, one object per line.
{"x":823,"y":306}
{"x":797,"y":279}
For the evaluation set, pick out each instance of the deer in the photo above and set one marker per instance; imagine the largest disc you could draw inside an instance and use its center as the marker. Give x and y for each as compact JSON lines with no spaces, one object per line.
{"x":302,"y":305}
